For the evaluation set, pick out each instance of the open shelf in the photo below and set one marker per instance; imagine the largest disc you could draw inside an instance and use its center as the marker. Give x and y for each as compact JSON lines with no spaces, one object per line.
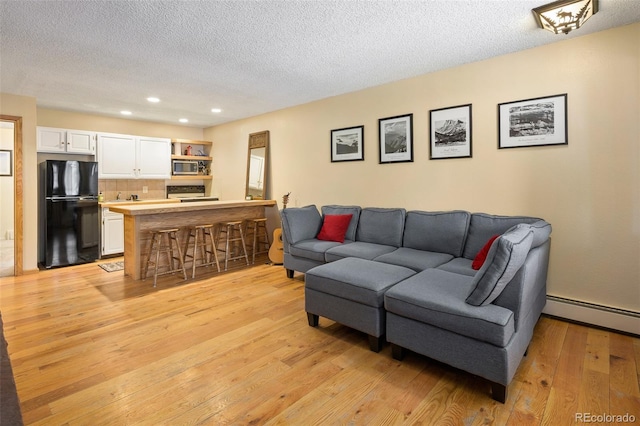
{"x":192,"y":177}
{"x":191,"y":157}
{"x":179,"y":145}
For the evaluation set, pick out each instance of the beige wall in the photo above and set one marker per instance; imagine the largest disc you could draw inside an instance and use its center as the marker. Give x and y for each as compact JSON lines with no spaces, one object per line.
{"x":589,"y":190}
{"x":77,"y":121}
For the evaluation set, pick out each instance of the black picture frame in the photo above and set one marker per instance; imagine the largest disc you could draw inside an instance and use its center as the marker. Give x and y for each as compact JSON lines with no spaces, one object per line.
{"x":533,"y":122}
{"x":6,"y":162}
{"x":450,"y":134}
{"x":395,"y":135}
{"x":347,"y":144}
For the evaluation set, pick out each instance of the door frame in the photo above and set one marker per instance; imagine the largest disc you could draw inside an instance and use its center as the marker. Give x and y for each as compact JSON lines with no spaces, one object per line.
{"x":18,"y":219}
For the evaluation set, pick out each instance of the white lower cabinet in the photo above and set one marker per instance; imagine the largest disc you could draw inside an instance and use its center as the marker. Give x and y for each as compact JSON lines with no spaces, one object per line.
{"x":112,"y":232}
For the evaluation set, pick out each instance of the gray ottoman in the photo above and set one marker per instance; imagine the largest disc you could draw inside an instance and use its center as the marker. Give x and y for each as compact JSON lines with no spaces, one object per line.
{"x":351,"y":291}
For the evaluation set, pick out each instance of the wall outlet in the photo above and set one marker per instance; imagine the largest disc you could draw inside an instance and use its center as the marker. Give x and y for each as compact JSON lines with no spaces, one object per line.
{"x":145,"y":189}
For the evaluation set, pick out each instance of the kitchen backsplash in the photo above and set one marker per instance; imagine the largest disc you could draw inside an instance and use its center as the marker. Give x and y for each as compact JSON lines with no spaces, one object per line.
{"x":110,"y":188}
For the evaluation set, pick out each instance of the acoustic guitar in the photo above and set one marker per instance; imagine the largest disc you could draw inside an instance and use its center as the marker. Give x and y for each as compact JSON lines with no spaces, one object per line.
{"x":276,"y":251}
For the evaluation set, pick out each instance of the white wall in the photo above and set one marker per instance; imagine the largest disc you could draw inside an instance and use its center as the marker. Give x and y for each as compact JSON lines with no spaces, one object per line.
{"x":588,"y":190}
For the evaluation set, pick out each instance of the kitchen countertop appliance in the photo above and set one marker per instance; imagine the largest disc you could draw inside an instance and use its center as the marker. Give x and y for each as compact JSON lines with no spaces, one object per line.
{"x":69,"y":227}
{"x":187,"y":193}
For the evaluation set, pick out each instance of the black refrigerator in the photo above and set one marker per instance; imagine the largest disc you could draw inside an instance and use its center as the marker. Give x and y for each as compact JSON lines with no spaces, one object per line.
{"x":68,"y":212}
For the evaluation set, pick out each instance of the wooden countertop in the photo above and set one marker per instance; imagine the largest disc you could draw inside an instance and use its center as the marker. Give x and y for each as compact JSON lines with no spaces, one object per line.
{"x":139,"y":208}
{"x":111,"y":204}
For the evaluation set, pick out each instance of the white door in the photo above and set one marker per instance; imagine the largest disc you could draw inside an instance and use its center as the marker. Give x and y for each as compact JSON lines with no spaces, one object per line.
{"x":51,"y":140}
{"x":112,"y":232}
{"x":116,"y":156}
{"x":154,"y":158}
{"x":81,"y":142}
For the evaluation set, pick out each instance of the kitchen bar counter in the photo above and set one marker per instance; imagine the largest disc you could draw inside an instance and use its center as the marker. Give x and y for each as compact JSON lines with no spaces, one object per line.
{"x":116,"y":203}
{"x":140,"y":219}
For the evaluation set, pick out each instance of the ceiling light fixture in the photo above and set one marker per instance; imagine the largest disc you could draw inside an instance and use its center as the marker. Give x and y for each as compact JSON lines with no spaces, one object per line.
{"x":153,"y":99}
{"x":125,"y":112}
{"x":565,"y":15}
{"x":183,"y":120}
{"x":216,"y":110}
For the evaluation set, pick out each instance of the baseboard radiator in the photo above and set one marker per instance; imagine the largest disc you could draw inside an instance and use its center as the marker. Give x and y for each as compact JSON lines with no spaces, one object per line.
{"x":591,"y":313}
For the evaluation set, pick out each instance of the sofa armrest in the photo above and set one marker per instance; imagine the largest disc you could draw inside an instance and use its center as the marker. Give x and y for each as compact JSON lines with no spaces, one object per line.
{"x":299,"y":223}
{"x":520,"y":294}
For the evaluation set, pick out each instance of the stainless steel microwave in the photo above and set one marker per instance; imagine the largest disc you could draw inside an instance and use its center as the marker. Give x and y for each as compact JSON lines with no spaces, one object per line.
{"x":184,"y":167}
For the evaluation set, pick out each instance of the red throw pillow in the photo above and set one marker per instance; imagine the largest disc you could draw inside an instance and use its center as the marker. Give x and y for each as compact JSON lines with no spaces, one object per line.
{"x":482,"y":254}
{"x":334,"y":227}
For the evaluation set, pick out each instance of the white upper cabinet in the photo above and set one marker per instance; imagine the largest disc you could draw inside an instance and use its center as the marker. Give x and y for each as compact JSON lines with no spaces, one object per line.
{"x":154,"y":158}
{"x":116,"y":156}
{"x":52,"y":139}
{"x":81,"y":142}
{"x":133,"y":157}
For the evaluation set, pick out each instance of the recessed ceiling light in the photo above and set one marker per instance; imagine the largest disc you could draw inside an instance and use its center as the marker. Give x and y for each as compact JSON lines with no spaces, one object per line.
{"x":153,"y":99}
{"x":125,"y":112}
{"x":216,"y":110}
{"x":183,"y":120}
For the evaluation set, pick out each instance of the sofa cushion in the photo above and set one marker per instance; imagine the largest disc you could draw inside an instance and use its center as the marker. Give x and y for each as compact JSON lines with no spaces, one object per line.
{"x":436,"y":297}
{"x":478,"y":261}
{"x":440,"y":232}
{"x":312,"y":249}
{"x":507,"y":254}
{"x":381,"y":226}
{"x":334,"y":227}
{"x":352,"y":210}
{"x":357,"y":249}
{"x":358,"y":280}
{"x":418,"y":260}
{"x":459,"y":265}
{"x":483,"y":226}
{"x":300,"y":223}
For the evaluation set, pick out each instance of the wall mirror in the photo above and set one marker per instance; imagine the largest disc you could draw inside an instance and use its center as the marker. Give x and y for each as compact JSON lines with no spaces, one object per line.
{"x":257,"y":165}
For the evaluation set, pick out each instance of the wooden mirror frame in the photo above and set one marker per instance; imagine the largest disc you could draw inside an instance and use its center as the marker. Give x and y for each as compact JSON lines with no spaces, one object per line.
{"x":257,"y":142}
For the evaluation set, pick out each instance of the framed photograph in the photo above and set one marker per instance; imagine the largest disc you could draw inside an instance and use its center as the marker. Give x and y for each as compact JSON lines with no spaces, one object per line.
{"x":6,"y":164}
{"x":450,"y":135}
{"x":396,"y":139}
{"x":347,"y":144}
{"x":533,"y":122}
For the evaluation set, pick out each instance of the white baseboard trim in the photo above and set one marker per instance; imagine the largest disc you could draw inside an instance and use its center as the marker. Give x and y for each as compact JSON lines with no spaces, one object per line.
{"x":602,"y":316}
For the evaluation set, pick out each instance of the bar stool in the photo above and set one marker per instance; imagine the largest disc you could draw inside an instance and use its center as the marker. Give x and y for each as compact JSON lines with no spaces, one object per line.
{"x":204,"y":243}
{"x":257,"y":231}
{"x":234,"y":245}
{"x":162,"y":241}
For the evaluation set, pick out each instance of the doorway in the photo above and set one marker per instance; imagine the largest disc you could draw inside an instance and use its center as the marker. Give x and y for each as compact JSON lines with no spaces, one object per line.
{"x":11,"y":196}
{"x":7,"y":229}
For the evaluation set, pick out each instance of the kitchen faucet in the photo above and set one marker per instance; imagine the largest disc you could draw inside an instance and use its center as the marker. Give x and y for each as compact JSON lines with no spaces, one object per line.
{"x":118,"y":196}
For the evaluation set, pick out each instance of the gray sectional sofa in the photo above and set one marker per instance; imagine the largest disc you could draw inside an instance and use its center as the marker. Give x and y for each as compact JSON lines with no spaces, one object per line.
{"x":407,"y":277}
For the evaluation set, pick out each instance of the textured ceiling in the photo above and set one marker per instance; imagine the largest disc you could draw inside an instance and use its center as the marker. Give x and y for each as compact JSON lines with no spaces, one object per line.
{"x":250,"y":57}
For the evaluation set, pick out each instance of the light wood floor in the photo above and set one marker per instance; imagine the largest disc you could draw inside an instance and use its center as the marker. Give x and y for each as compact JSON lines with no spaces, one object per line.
{"x":95,"y":348}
